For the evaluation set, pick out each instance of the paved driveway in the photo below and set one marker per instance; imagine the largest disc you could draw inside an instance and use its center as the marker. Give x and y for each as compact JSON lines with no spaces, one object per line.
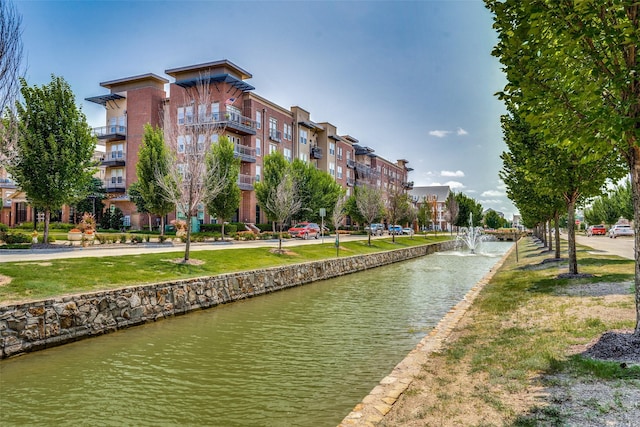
{"x":621,"y":246}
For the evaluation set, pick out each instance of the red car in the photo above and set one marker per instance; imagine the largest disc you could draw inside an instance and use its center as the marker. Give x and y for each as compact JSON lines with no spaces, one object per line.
{"x":597,"y":230}
{"x":305,"y":230}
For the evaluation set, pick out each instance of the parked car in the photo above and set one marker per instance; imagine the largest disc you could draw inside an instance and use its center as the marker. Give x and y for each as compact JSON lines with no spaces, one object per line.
{"x":597,"y":230}
{"x":305,"y":230}
{"x":395,"y":229}
{"x":620,"y":230}
{"x":407,"y":230}
{"x":376,"y":229}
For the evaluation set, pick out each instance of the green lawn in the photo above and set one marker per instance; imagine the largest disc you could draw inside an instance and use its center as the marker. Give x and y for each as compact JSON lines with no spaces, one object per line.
{"x":43,"y":279}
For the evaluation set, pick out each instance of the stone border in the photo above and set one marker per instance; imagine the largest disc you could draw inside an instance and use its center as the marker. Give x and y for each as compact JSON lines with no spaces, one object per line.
{"x":381,"y":399}
{"x":47,"y":323}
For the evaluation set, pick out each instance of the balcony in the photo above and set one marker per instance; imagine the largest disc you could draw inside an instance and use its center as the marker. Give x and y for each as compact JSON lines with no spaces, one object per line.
{"x":7,"y":183}
{"x":244,"y":153}
{"x":111,"y":132}
{"x":275,"y":135}
{"x":351,"y":182}
{"x":113,"y":158}
{"x":351,"y":164}
{"x":114,"y":185}
{"x":408,"y":185}
{"x":316,"y":152}
{"x":245,"y":182}
{"x":224,"y":119}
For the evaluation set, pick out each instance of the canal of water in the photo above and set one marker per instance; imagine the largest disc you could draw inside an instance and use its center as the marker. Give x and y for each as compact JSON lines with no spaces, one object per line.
{"x":300,"y":357}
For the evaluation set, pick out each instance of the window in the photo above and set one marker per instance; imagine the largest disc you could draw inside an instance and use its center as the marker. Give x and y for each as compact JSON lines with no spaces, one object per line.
{"x":233,"y":113}
{"x":258,"y":171}
{"x":258,"y":120}
{"x":117,"y":176}
{"x":348,"y":191}
{"x":332,"y":149}
{"x":117,"y":151}
{"x":332,"y":169}
{"x":288,"y":130}
{"x":304,"y":157}
{"x":214,"y":138}
{"x":180,"y":115}
{"x":181,"y":144}
{"x":202,"y":113}
{"x":339,"y":153}
{"x":287,"y":154}
{"x":188,"y":113}
{"x":258,"y":147}
{"x":303,"y":136}
{"x":273,"y":124}
{"x":201,"y":140}
{"x":215,"y":111}
{"x":273,"y":148}
{"x":348,"y":155}
{"x":339,"y":172}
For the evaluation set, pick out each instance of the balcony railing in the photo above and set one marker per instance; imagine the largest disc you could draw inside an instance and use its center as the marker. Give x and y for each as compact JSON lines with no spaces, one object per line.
{"x":245,"y":182}
{"x":228,"y":119}
{"x":408,"y":185}
{"x":115,"y":132}
{"x":351,"y":163}
{"x":351,"y":182}
{"x":316,"y":152}
{"x":275,"y":135}
{"x":244,"y":153}
{"x":114,"y":185}
{"x":114,"y":158}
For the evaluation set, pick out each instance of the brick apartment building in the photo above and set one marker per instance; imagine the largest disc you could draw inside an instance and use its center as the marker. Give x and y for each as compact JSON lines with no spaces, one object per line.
{"x":254,"y":124}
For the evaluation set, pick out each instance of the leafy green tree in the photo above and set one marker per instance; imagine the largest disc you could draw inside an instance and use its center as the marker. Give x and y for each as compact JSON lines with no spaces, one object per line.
{"x":151,"y":169}
{"x":93,"y":202}
{"x":116,"y":219}
{"x":316,"y":189}
{"x":492,"y":219}
{"x":468,"y":207}
{"x":275,"y":166}
{"x":623,"y":198}
{"x":574,"y":65}
{"x":351,"y":208}
{"x":135,"y":195}
{"x":452,"y":209}
{"x":424,"y":213}
{"x":225,"y":203}
{"x":54,"y":161}
{"x":338,"y":215}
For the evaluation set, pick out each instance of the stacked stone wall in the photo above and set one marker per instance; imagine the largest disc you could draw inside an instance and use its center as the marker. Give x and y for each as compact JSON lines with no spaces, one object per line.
{"x":46,"y":323}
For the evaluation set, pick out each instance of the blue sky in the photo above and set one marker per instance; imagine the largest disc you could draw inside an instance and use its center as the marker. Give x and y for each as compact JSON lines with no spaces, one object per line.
{"x":411,"y":79}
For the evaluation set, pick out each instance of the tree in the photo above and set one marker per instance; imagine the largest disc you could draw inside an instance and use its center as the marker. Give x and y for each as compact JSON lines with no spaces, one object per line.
{"x":370,"y":205}
{"x":492,"y":219}
{"x":96,"y":193}
{"x":192,"y":166}
{"x":54,"y":160}
{"x":467,"y":208}
{"x":282,"y":202}
{"x":135,"y":195}
{"x":338,"y":215}
{"x":10,"y":70}
{"x":316,"y":189}
{"x":398,"y":206}
{"x":275,"y":166}
{"x":424,"y":213}
{"x":452,"y":209}
{"x":151,"y":169}
{"x":575,"y":66}
{"x":224,"y":204}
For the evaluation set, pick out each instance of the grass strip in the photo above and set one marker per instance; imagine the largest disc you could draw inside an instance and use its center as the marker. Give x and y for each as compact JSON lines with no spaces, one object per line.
{"x":44,"y":279}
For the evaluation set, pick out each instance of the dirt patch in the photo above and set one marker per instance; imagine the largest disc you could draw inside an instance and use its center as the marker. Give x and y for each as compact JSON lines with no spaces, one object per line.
{"x":182,"y":261}
{"x":283,"y":252}
{"x":4,"y":280}
{"x":596,"y":289}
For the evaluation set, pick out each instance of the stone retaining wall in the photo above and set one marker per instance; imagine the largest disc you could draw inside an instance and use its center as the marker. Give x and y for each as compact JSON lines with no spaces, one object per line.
{"x":46,"y":323}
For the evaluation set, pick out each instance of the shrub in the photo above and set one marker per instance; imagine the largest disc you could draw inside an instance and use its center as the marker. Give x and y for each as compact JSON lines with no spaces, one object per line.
{"x":162,"y":238}
{"x":266,"y":227}
{"x":3,"y":227}
{"x":123,"y":238}
{"x":245,"y":235}
{"x":11,"y":238}
{"x":134,"y":239}
{"x":228,"y":228}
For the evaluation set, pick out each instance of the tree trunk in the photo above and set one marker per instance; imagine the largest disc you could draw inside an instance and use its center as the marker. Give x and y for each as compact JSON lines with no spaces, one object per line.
{"x":369,"y":233}
{"x":550,"y":236}
{"x":571,"y":238}
{"x":556,"y":220}
{"x":47,"y":219}
{"x":279,"y":238}
{"x":187,"y":247}
{"x":634,"y":166}
{"x":222,"y":230}
{"x":150,"y":224}
{"x":162,"y":225}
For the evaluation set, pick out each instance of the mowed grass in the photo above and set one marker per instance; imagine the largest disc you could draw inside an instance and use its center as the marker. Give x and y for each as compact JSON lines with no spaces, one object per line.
{"x":44,"y":279}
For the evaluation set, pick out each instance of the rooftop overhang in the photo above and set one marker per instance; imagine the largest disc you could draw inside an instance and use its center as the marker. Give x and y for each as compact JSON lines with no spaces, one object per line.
{"x":218,"y":78}
{"x":223,"y":66}
{"x":335,"y":137}
{"x":310,"y":125}
{"x":103,"y":99}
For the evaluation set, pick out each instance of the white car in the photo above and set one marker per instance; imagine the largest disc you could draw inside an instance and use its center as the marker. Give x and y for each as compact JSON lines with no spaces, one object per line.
{"x":620,"y":230}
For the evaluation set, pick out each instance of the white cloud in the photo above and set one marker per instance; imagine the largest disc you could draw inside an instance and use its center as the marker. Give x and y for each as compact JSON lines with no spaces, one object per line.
{"x":439,"y":133}
{"x":490,"y":201}
{"x":492,"y":193}
{"x":461,"y":131}
{"x":456,"y":174}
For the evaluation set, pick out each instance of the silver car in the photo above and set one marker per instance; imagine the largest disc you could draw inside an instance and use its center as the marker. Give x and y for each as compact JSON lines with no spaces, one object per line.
{"x":620,"y":230}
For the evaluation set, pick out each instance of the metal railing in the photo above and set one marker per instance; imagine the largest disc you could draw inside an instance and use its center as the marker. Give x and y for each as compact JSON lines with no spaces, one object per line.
{"x":223,"y":117}
{"x":107,"y":131}
{"x":245,"y":182}
{"x":275,"y":135}
{"x":244,"y":152}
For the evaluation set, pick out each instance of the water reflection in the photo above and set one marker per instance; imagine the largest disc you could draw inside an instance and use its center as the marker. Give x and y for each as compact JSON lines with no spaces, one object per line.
{"x":301,"y":357}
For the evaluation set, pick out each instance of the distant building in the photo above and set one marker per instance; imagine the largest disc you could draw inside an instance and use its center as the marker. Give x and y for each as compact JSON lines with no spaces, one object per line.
{"x":435,"y":196}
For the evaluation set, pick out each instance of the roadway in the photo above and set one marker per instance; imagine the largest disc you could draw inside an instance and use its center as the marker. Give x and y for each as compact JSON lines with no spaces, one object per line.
{"x":621,"y":246}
